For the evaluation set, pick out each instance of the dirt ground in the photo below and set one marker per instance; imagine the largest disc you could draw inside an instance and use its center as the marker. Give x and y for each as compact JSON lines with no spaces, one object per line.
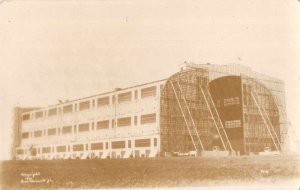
{"x":145,"y":172}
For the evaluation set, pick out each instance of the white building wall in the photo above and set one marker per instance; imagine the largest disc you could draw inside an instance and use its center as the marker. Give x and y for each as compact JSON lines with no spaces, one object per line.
{"x":136,"y":107}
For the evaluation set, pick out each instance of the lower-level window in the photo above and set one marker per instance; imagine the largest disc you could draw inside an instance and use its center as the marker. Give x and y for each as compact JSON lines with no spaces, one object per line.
{"x":142,"y":143}
{"x":61,"y":149}
{"x":78,"y":147}
{"x":25,"y":135}
{"x":97,"y":146}
{"x":20,"y":152}
{"x":118,"y":144}
{"x":46,"y":149}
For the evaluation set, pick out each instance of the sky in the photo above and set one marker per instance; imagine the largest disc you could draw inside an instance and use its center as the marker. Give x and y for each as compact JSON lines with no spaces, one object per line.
{"x":58,"y":50}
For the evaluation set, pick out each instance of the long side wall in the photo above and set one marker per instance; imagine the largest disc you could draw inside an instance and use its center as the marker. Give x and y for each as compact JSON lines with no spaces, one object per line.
{"x":122,"y":123}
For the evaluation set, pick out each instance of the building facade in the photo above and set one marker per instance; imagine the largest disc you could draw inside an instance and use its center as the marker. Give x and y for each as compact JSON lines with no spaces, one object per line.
{"x":199,"y":110}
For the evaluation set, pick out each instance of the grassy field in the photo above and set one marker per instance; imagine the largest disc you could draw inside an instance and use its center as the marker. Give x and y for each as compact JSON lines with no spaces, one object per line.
{"x":157,"y":172}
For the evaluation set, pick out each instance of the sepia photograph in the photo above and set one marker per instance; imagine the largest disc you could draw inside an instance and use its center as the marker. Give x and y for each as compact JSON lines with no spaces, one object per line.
{"x":128,"y":94}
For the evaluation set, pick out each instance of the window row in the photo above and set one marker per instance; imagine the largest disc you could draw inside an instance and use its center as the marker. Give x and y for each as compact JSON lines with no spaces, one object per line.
{"x":88,"y":104}
{"x":85,"y":127}
{"x":233,"y":124}
{"x":231,"y":101}
{"x":228,"y":102}
{"x":138,"y":143}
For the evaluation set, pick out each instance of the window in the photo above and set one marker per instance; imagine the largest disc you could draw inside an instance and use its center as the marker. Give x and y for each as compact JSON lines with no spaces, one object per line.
{"x":124,"y":97}
{"x":20,"y":151}
{"x":155,"y":141}
{"x":233,"y":124}
{"x":148,"y":118}
{"x":26,"y":117}
{"x":78,"y":147}
{"x":113,"y":123}
{"x":84,"y":105}
{"x":113,"y":99}
{"x":103,"y":101}
{"x":51,"y":132}
{"x":147,"y":92}
{"x":142,"y":143}
{"x":135,"y":120}
{"x":83,"y":127}
{"x":46,"y":150}
{"x":103,"y":124}
{"x":52,"y":112}
{"x":61,"y":149}
{"x":129,"y":144}
{"x":66,"y":129}
{"x":231,"y":101}
{"x":136,"y":94}
{"x":118,"y":144}
{"x":123,"y":122}
{"x":68,"y":109}
{"x":97,"y":146}
{"x":38,"y":133}
{"x":25,"y":135}
{"x":39,"y":114}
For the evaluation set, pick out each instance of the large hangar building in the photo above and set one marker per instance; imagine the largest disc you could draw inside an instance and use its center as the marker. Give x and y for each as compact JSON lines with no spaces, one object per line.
{"x":203,"y":109}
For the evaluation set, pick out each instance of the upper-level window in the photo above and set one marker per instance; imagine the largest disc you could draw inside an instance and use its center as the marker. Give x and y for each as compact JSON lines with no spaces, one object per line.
{"x":52,"y":111}
{"x":142,"y":143}
{"x":113,"y":123}
{"x":123,"y":122}
{"x":51,"y":131}
{"x":39,"y":114}
{"x":149,"y":91}
{"x":135,"y":120}
{"x":103,"y":124}
{"x":103,"y":101}
{"x":38,"y":133}
{"x":148,"y":118}
{"x":118,"y":144}
{"x":66,"y":129}
{"x":84,"y":105}
{"x":124,"y":97}
{"x":136,"y":94}
{"x":25,"y":135}
{"x":231,"y":101}
{"x":83,"y":127}
{"x":26,"y":117}
{"x":68,"y":108}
